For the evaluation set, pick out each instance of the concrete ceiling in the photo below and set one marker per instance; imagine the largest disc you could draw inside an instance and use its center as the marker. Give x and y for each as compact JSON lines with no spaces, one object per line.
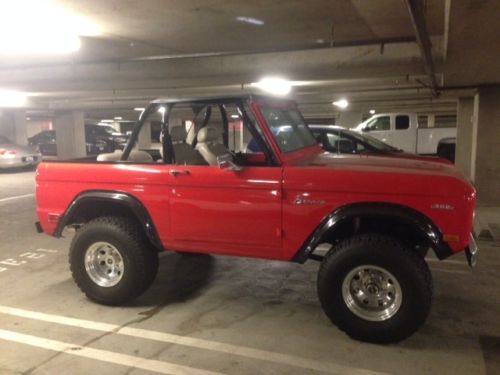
{"x":359,"y":49}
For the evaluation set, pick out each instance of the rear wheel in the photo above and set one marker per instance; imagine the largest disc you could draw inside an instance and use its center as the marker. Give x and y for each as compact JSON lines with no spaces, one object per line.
{"x":111,"y":260}
{"x":375,"y":288}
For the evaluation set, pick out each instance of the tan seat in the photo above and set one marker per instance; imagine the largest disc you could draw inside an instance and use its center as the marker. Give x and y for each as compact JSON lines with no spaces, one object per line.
{"x":135,"y":156}
{"x":184,"y":153}
{"x":209,"y":145}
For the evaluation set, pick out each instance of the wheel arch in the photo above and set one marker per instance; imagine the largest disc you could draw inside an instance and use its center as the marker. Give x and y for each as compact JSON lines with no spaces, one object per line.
{"x":386,"y":218}
{"x":94,"y":203}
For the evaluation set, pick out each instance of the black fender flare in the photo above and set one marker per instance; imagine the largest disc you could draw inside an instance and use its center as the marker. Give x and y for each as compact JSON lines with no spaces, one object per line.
{"x":387,"y":210}
{"x":115,"y":197}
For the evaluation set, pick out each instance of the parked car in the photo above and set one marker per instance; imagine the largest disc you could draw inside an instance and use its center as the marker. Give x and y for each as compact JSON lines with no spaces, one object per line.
{"x":339,"y":140}
{"x":207,"y":195}
{"x":98,"y":139}
{"x":402,"y":130}
{"x":15,"y":156}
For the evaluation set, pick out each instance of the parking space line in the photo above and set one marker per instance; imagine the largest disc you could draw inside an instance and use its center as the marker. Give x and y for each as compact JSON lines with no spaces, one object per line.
{"x":102,"y":355}
{"x":262,"y":355}
{"x":16,"y":197}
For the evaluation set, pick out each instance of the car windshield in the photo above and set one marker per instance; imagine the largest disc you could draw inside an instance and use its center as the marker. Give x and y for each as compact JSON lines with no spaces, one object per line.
{"x":374,"y":142}
{"x":4,"y":140}
{"x":288,"y":128}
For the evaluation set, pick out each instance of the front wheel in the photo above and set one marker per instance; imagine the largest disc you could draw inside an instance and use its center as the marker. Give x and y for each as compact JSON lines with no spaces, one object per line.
{"x":111,"y":260}
{"x":375,"y":288}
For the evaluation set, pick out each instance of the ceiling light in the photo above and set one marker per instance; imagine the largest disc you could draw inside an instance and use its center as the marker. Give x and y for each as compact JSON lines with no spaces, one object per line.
{"x":11,"y":99}
{"x":342,"y":103}
{"x":275,"y":86}
{"x":235,"y":116}
{"x":139,"y":109}
{"x":46,"y":28}
{"x":107,"y":121}
{"x":118,"y":118}
{"x":372,"y":111}
{"x":250,"y":20}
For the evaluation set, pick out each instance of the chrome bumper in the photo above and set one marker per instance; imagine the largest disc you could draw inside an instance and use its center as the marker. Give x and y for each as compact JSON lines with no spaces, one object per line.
{"x":471,"y":252}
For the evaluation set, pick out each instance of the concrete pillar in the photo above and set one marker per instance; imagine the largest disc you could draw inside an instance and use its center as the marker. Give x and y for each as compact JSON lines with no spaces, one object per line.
{"x":21,"y":137}
{"x":13,"y":126}
{"x":70,"y":135}
{"x":349,"y":119}
{"x":463,"y":153}
{"x":486,"y":153}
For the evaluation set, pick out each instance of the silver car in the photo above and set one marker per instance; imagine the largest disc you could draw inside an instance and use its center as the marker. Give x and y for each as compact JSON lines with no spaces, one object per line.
{"x":15,"y":156}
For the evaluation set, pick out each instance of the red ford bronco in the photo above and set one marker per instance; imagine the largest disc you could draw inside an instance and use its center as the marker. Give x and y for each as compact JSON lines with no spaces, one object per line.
{"x":244,"y":176}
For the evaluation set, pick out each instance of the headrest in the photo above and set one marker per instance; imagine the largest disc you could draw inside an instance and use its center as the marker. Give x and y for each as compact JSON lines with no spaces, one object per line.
{"x":178,"y":134}
{"x":208,"y":134}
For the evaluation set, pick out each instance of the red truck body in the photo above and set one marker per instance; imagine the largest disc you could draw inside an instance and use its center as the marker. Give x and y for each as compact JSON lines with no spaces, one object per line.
{"x":379,"y":214}
{"x":252,"y":213}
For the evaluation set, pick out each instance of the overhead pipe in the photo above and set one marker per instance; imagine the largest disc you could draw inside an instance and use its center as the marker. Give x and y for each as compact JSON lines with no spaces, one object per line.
{"x":416,"y":10}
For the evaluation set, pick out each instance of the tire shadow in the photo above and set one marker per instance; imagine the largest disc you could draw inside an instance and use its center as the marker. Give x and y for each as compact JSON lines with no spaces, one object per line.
{"x":181,"y":277}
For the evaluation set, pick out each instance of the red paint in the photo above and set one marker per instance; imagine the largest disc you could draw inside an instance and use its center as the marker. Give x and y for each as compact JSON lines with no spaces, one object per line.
{"x":252,"y":212}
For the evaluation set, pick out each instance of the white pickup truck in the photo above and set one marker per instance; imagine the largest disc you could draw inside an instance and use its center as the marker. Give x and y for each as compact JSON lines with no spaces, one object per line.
{"x":402,"y":130}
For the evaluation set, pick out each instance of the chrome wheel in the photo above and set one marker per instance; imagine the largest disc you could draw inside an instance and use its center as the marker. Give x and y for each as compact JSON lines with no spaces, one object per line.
{"x":372,"y":293}
{"x":104,"y":264}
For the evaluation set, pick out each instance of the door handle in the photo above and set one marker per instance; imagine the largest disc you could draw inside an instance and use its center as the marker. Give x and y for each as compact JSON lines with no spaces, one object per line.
{"x":176,"y":173}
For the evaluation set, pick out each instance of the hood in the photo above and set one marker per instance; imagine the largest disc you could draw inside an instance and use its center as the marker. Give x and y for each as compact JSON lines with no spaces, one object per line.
{"x":404,"y":164}
{"x":377,"y":174}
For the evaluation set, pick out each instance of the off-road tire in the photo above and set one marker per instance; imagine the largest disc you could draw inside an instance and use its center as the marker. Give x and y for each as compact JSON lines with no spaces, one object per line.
{"x":407,"y":266}
{"x":140,"y":259}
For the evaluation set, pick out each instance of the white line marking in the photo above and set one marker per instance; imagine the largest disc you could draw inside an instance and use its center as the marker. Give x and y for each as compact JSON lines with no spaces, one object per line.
{"x":262,"y":355}
{"x":447,"y":261}
{"x":451,"y":271}
{"x":103,"y":355}
{"x":16,"y":197}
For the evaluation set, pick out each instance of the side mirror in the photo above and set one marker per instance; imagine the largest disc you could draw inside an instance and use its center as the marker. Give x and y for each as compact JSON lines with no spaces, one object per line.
{"x":226,"y":162}
{"x":365,"y":129}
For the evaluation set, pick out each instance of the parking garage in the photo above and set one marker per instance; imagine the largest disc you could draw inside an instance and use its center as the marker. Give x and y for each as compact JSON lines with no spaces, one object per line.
{"x":76,"y":77}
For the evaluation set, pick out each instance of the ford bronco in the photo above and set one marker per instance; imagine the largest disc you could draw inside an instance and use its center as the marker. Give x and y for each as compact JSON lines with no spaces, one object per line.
{"x":187,"y":181}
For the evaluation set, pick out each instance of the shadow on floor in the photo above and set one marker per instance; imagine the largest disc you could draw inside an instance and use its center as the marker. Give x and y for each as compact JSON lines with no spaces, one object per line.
{"x":180,"y":277}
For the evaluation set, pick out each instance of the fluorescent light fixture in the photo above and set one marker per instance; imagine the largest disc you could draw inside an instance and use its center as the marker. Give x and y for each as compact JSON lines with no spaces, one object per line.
{"x":372,"y":111}
{"x":10,"y":99}
{"x":235,"y":116}
{"x":274,"y":85}
{"x":36,"y":27}
{"x":107,"y":121}
{"x":250,"y":20}
{"x":118,"y":118}
{"x":342,"y":103}
{"x":139,"y":109}
{"x":103,"y":123}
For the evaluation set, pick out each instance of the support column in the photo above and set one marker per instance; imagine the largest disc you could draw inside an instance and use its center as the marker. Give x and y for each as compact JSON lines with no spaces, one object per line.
{"x":349,"y":119}
{"x":21,"y":131}
{"x":13,"y":126}
{"x":70,"y":135}
{"x":486,"y":150}
{"x":463,"y":153}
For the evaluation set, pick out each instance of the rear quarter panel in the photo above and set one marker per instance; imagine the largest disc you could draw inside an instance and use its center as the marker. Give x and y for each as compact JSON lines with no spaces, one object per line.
{"x":59,"y":183}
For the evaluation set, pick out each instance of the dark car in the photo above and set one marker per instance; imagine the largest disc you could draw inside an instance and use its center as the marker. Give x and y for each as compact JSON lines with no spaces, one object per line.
{"x":339,"y":140}
{"x":98,"y":139}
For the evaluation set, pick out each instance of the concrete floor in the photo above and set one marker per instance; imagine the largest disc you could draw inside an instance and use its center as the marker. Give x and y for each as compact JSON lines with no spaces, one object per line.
{"x":220,"y":315}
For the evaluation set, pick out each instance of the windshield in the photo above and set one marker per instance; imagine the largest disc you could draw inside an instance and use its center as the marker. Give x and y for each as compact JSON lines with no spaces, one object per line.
{"x":374,"y":142}
{"x":288,"y":128}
